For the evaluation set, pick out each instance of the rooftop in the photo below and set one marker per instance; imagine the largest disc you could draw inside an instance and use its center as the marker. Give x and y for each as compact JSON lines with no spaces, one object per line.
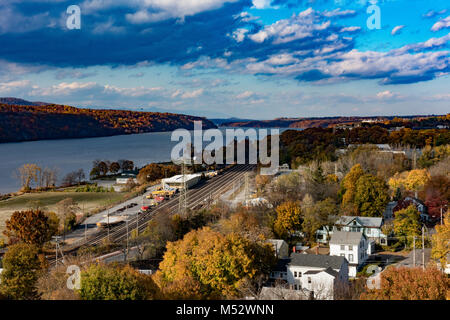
{"x":179,"y":178}
{"x":346,"y":237}
{"x":364,"y":221}
{"x":316,"y":260}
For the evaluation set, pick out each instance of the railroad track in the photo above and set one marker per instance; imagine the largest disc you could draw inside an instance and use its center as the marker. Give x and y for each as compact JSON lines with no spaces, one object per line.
{"x":210,"y":190}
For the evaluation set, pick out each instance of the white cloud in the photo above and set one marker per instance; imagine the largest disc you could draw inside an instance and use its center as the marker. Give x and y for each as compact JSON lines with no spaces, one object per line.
{"x":397,"y":30}
{"x":350,"y":29}
{"x":297,"y":27}
{"x":12,"y":86}
{"x":245,"y":95}
{"x":192,"y":94}
{"x":441,"y":24}
{"x":261,"y":4}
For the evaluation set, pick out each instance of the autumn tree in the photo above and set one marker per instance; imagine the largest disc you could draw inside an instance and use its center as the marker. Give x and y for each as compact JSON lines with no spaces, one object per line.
{"x":125,"y":164}
{"x":413,"y":180}
{"x":106,"y":282}
{"x":30,"y":227}
{"x":348,"y":184}
{"x":207,"y":264}
{"x":441,"y":242}
{"x":410,"y":284}
{"x":371,"y":196}
{"x":289,"y":219}
{"x":407,"y":224}
{"x":114,"y":167}
{"x":21,"y":269}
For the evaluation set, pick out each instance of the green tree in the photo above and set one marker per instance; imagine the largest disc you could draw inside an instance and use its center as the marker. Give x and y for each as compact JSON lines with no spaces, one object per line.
{"x":320,"y":214}
{"x":371,"y":196}
{"x":407,"y":224}
{"x":103,"y":282}
{"x":31,"y":227}
{"x":21,"y":267}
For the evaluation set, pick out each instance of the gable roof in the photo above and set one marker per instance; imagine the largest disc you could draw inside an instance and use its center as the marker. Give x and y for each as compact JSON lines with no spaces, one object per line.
{"x":277,"y":243}
{"x":316,"y":260}
{"x":369,"y":222}
{"x":346,"y":237}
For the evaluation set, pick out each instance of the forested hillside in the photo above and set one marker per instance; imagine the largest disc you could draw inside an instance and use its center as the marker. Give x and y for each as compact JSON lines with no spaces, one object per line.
{"x":25,"y":123}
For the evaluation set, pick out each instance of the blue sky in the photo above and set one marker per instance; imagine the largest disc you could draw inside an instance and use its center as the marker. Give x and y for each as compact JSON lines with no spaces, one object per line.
{"x":258,"y":59}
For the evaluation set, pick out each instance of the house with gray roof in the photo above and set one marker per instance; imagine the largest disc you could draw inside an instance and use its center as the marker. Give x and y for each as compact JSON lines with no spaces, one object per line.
{"x":318,"y":274}
{"x":369,"y":226}
{"x":353,"y":246}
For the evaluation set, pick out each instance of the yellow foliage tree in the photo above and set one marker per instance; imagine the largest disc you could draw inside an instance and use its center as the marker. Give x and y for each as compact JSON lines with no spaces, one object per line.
{"x":441,"y":242}
{"x":206,"y":264}
{"x":349,"y":184}
{"x":289,"y":218}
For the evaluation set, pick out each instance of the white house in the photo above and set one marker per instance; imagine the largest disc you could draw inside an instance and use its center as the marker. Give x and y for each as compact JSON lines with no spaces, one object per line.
{"x":370,"y":227}
{"x":318,"y":274}
{"x":354,"y":246}
{"x":280,"y":247}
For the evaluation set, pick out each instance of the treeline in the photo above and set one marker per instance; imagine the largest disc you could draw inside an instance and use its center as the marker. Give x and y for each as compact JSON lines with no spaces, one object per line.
{"x":320,"y":144}
{"x":27,"y":123}
{"x":327,"y":122}
{"x":100,"y":168}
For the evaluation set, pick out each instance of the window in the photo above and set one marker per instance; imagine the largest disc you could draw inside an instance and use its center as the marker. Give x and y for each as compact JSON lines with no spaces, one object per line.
{"x":295,"y":274}
{"x":350,"y":257}
{"x":295,"y":287}
{"x":309,"y":279}
{"x":342,"y":254}
{"x":350,"y":248}
{"x":342,"y":247}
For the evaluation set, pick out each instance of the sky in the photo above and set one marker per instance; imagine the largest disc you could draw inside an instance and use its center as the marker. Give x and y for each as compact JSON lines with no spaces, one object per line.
{"x":256,"y":59}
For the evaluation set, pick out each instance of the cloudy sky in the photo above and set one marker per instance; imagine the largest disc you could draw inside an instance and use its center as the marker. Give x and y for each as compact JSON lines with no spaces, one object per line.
{"x":257,"y":59}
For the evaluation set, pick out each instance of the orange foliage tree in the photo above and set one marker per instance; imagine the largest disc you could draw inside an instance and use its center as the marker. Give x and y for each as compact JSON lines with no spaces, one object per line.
{"x":411,"y":284}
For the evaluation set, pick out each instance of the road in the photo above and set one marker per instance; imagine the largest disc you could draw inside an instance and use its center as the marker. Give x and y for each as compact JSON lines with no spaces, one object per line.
{"x":199,"y":195}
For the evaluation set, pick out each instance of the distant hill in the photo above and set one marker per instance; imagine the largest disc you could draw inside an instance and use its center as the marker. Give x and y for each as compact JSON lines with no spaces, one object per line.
{"x":324,"y":122}
{"x":220,"y":122}
{"x":20,"y":102}
{"x":51,"y":121}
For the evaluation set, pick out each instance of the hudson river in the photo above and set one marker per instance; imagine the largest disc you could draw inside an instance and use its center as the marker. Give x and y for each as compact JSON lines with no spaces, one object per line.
{"x":73,"y":154}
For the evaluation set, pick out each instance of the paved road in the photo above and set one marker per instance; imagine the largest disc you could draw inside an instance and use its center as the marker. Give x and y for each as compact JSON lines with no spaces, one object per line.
{"x":89,"y":227}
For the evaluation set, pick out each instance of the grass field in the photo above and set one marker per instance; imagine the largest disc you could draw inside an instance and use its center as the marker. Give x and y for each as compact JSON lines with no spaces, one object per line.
{"x":87,"y":201}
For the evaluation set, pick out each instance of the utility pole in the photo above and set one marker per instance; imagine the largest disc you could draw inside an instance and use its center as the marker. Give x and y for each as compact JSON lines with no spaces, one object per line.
{"x":108,"y":223}
{"x":414,"y":252}
{"x":127,"y":233}
{"x":57,"y":247}
{"x":182,"y":204}
{"x":423,"y":249}
{"x":246,"y":194}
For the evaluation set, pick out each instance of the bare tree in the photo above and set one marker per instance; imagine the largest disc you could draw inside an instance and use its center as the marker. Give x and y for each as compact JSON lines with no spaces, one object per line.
{"x":27,"y":174}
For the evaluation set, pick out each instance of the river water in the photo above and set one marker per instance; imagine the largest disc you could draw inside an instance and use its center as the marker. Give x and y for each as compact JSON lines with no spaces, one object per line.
{"x":73,"y":154}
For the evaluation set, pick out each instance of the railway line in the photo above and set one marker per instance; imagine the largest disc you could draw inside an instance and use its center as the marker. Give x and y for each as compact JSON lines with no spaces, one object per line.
{"x":196,"y":197}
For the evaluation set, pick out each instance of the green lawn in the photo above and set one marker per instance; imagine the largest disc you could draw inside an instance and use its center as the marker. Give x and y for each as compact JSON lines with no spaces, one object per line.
{"x":87,"y":201}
